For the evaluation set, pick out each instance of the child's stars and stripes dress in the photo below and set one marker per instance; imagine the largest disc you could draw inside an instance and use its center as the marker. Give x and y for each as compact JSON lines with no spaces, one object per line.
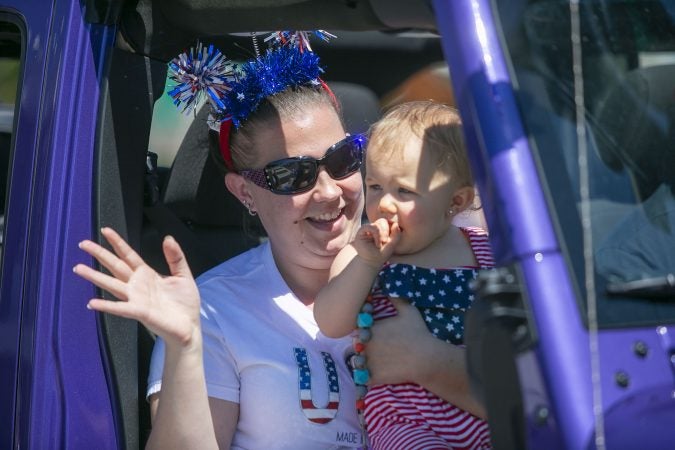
{"x":407,"y":416}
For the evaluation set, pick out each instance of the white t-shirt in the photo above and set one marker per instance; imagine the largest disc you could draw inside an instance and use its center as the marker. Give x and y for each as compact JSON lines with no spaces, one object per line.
{"x":263,"y":350}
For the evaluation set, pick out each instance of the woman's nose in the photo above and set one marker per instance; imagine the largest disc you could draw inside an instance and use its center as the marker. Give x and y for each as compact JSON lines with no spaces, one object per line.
{"x":326,"y":187}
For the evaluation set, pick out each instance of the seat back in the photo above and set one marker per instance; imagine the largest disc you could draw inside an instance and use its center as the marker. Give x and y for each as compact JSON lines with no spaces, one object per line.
{"x":637,"y":117}
{"x":360,"y":105}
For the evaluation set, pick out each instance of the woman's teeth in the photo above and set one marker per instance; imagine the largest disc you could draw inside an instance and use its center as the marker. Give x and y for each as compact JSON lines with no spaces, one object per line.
{"x":327,"y":217}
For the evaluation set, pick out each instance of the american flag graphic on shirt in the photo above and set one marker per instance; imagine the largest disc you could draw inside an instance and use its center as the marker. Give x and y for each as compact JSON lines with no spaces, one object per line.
{"x":309,"y":408}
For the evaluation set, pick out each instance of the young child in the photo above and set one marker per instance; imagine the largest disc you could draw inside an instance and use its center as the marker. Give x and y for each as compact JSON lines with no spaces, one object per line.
{"x":417,"y":180}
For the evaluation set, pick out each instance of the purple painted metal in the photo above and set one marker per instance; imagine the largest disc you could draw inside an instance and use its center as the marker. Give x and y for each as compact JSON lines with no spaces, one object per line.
{"x":486,"y":101}
{"x":63,"y":395}
{"x":484,"y":94}
{"x":523,"y":230}
{"x":35,"y":23}
{"x":563,"y":349}
{"x":640,"y":412}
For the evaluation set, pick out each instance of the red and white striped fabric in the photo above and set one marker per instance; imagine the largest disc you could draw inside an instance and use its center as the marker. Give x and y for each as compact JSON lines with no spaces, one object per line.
{"x":480,"y":245}
{"x":407,"y":416}
{"x":319,"y":415}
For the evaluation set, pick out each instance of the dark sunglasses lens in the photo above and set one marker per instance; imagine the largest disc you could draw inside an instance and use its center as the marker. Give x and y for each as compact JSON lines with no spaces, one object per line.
{"x":344,"y":159}
{"x":291,"y":176}
{"x":295,"y":175}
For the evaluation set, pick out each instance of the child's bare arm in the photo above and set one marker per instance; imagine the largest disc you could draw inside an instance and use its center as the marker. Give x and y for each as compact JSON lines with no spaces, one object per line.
{"x":351,"y":276}
{"x":338,"y":303}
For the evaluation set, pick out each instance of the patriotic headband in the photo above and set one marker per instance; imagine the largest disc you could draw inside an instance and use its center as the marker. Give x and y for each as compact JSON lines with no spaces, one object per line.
{"x":233,"y":90}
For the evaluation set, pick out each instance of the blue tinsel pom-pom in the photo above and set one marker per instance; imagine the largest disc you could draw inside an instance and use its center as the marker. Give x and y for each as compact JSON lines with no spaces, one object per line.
{"x":236,"y":91}
{"x":267,"y":75}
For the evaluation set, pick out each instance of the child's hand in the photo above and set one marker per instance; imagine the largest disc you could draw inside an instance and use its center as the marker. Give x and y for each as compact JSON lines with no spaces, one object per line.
{"x":375,"y":242}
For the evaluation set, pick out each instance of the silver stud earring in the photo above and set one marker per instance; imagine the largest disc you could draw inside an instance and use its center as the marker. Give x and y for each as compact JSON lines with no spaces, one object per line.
{"x":251,"y":211}
{"x":451,"y":211}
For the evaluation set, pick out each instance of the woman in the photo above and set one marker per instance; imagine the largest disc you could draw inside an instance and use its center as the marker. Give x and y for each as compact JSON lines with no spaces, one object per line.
{"x":255,"y":372}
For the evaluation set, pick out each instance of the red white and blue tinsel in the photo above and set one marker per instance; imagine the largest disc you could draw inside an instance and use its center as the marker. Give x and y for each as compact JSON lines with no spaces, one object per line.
{"x":298,"y":39}
{"x":200,"y":71}
{"x":236,"y":90}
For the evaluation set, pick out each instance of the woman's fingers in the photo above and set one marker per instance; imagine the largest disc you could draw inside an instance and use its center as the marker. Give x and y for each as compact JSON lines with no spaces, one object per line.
{"x":105,"y":282}
{"x":116,"y":266}
{"x":122,"y":249}
{"x":175,"y":258}
{"x":122,"y":309}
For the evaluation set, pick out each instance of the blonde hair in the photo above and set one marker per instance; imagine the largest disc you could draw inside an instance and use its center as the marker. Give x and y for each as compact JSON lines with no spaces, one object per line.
{"x":438,"y":126}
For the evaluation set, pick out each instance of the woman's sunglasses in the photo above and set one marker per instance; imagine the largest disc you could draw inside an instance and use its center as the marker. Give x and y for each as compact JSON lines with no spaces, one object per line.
{"x":299,"y":174}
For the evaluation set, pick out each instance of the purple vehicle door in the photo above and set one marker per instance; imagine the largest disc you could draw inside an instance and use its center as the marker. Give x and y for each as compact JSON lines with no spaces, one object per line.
{"x":54,"y":391}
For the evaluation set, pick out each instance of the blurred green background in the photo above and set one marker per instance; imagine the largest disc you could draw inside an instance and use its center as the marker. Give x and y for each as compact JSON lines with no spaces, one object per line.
{"x":169,"y":126}
{"x":9,"y":74}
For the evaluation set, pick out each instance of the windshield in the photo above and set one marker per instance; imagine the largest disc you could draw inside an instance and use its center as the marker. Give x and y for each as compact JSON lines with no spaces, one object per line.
{"x":628,"y":73}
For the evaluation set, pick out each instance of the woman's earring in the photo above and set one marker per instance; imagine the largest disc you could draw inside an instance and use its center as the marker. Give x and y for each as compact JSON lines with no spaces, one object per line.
{"x":451,"y":211}
{"x":250,"y":209}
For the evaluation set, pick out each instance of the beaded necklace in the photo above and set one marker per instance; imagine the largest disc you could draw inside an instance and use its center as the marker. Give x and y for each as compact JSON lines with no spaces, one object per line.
{"x":364,"y":322}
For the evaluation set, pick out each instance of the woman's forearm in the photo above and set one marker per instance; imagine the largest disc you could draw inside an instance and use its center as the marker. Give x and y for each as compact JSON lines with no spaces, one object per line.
{"x":403,"y":350}
{"x":183,"y":417}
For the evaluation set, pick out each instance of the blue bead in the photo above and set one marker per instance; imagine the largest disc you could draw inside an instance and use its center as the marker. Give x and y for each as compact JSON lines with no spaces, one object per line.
{"x":365,"y":334}
{"x":361,"y":376}
{"x":364,"y":320}
{"x":358,"y":361}
{"x":361,"y":391}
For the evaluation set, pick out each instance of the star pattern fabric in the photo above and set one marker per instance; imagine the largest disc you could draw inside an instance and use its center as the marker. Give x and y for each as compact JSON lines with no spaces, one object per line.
{"x":442,"y":295}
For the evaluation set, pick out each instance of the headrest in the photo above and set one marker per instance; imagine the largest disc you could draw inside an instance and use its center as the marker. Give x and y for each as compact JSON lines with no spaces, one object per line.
{"x":636,"y":124}
{"x":360,"y":105}
{"x":195,"y":189}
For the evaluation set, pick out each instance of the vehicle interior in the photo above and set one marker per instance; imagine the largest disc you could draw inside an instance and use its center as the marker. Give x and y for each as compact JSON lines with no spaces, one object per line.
{"x":9,"y":71}
{"x":386,"y":52}
{"x":628,"y":65}
{"x":154,"y":175}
